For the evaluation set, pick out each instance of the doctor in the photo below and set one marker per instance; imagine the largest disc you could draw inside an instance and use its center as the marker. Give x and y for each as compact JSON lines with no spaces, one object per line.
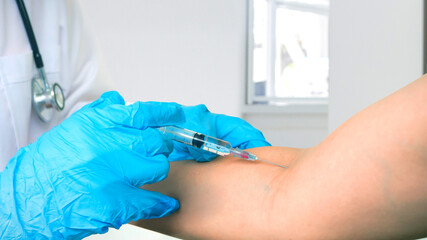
{"x":82,"y":176}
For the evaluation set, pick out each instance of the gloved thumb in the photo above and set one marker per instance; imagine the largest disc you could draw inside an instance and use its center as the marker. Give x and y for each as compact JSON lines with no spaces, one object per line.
{"x":144,"y":204}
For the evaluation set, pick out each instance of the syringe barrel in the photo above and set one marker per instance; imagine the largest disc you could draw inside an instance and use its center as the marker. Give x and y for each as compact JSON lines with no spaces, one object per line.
{"x":216,"y":146}
{"x":197,"y":140}
{"x":179,"y":134}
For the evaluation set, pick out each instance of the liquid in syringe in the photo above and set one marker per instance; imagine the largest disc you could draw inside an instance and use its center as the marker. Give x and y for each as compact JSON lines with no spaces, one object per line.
{"x":208,"y":143}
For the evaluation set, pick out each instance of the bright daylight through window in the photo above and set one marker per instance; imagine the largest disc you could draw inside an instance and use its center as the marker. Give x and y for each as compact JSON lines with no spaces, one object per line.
{"x":288,"y":51}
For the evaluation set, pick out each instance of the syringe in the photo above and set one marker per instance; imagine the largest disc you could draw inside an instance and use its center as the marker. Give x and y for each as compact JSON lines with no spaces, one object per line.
{"x":207,"y":143}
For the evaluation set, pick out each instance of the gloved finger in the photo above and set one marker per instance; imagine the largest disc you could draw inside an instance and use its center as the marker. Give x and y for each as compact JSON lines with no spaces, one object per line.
{"x":104,"y":100}
{"x":148,"y":142}
{"x":197,"y":110}
{"x":144,"y":204}
{"x":137,"y":169}
{"x":142,"y":157}
{"x":185,"y":152}
{"x":201,"y":155}
{"x":148,"y":170}
{"x":108,"y":98}
{"x":147,"y":161}
{"x":144,"y":114}
{"x":239,"y":132}
{"x":179,"y":156}
{"x":120,"y":203}
{"x":179,"y":152}
{"x":198,"y":119}
{"x":152,"y":142}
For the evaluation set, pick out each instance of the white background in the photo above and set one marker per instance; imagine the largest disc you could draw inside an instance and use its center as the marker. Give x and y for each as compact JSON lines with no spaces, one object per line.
{"x":188,"y":51}
{"x":376,"y":47}
{"x":191,"y":52}
{"x":194,"y":51}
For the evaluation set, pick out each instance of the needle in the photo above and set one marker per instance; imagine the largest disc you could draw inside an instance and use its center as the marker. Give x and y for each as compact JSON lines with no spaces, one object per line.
{"x":272,"y":163}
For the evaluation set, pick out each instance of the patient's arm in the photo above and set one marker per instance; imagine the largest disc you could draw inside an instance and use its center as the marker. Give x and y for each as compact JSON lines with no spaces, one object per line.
{"x":368,"y":179}
{"x":221,"y":198}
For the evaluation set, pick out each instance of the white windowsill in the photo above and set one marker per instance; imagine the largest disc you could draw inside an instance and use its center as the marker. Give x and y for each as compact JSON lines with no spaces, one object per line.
{"x":291,"y":108}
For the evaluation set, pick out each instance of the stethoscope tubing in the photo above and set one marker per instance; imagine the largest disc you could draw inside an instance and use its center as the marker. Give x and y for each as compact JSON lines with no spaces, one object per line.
{"x":43,"y":97}
{"x":32,"y":39}
{"x":30,"y":33}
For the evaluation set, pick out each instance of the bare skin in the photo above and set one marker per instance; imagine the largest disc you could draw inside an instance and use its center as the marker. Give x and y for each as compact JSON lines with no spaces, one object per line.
{"x":367,"y":180}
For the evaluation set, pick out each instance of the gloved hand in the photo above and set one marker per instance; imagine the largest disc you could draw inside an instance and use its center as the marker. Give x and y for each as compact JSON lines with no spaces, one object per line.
{"x":82,"y":177}
{"x":236,"y":131}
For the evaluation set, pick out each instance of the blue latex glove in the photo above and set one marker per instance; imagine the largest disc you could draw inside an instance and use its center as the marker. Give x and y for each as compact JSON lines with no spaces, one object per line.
{"x":82,"y":177}
{"x":236,"y":131}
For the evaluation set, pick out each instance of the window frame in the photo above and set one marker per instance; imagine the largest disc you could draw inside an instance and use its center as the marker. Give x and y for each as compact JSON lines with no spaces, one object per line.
{"x":291,"y":104}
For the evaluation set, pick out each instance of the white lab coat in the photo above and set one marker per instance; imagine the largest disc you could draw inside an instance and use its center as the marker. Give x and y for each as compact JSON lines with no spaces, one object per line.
{"x":69,"y":57}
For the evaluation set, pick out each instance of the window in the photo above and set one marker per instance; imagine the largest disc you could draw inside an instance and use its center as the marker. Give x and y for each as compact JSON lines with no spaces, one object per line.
{"x":288,"y":52}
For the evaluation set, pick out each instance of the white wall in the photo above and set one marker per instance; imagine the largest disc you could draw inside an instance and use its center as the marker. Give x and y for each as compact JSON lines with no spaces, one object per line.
{"x":193,"y":51}
{"x":291,"y":129}
{"x":375,"y":49}
{"x":186,"y":51}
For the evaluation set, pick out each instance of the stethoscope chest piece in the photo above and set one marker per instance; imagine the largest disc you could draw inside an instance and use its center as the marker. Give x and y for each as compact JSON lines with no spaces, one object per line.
{"x":45,"y":99}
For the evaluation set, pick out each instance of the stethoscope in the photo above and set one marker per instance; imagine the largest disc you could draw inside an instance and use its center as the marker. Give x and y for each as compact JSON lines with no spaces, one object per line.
{"x":43,"y":96}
